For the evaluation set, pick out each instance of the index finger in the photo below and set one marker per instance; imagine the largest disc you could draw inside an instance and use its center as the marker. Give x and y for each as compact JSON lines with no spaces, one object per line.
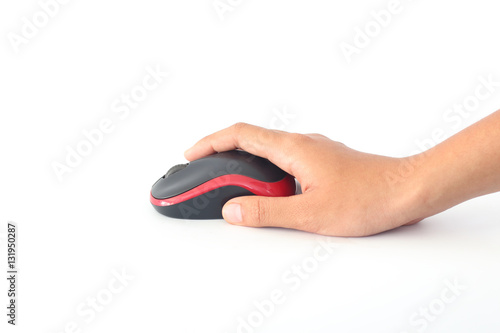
{"x":256,"y":140}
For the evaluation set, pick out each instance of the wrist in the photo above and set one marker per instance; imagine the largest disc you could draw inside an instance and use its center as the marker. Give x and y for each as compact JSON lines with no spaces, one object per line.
{"x":418,"y":190}
{"x":432,"y":183}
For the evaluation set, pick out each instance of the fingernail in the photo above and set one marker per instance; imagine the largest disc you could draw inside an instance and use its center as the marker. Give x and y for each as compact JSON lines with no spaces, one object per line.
{"x":232,"y":213}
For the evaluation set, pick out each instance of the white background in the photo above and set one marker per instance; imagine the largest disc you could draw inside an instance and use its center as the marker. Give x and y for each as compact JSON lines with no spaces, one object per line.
{"x":264,"y":57}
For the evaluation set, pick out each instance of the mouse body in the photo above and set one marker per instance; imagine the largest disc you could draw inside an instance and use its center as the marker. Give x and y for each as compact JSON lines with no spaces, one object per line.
{"x":199,"y":189}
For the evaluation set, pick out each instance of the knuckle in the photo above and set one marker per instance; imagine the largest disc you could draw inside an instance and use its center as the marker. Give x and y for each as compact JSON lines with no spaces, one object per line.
{"x":318,"y":136}
{"x":297,"y":139}
{"x":237,"y":127}
{"x":260,"y":212}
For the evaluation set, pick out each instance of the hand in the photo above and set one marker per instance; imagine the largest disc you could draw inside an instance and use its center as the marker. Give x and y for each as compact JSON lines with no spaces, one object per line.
{"x":344,"y":192}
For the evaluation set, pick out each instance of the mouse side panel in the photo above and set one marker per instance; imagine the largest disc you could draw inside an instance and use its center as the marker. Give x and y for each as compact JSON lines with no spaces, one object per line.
{"x":284,"y":187}
{"x":213,"y":166}
{"x":206,"y":206}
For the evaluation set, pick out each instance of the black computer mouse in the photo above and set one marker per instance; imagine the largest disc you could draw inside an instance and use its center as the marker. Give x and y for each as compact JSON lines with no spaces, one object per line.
{"x":199,"y":189}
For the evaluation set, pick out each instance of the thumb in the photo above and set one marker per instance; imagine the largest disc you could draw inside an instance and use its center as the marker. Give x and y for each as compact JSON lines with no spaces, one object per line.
{"x":258,"y":211}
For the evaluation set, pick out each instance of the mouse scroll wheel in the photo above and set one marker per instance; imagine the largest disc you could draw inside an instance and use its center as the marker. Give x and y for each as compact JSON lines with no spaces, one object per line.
{"x":175,"y":168}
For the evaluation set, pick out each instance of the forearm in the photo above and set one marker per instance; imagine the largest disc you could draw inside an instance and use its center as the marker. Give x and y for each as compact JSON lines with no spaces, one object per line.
{"x":465,"y":166}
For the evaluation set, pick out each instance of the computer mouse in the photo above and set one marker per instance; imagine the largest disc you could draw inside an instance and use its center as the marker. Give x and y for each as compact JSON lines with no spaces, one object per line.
{"x":199,"y":189}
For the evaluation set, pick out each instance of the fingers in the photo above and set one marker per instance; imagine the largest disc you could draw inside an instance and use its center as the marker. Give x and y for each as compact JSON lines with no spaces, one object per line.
{"x":245,"y":136}
{"x":257,"y":211}
{"x":256,"y":140}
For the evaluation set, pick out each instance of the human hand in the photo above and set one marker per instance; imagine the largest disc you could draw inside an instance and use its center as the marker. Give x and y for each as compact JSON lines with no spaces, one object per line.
{"x":344,"y":192}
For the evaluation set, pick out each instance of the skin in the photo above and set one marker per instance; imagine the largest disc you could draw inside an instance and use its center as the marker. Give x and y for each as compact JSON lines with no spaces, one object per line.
{"x":351,"y":193}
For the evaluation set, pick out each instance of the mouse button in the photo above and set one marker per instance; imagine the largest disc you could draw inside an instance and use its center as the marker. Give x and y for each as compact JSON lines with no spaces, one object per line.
{"x":256,"y":167}
{"x":175,"y":169}
{"x":167,"y":187}
{"x":241,"y":163}
{"x":179,"y":179}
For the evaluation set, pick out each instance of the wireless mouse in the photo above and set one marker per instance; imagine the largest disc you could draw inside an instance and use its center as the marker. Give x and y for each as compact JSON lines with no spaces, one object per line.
{"x":199,"y":189}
